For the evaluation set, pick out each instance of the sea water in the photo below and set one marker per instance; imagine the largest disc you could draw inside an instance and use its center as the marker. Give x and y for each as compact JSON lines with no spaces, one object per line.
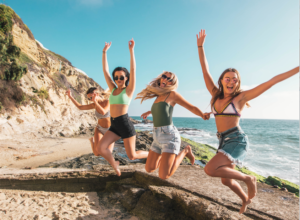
{"x":274,"y":144}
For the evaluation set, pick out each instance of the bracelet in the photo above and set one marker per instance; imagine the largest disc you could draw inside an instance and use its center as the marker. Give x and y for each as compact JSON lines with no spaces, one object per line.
{"x":103,"y":51}
{"x":200,"y":46}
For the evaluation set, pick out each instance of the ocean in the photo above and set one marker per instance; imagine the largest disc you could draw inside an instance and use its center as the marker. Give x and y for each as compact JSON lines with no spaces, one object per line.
{"x":274,"y":144}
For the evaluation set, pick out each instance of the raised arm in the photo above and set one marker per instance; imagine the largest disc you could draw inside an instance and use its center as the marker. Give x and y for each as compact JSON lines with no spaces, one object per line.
{"x":253,"y":93}
{"x":209,"y":82}
{"x":108,"y":79}
{"x":131,"y":86}
{"x":98,"y":107}
{"x":78,"y":105}
{"x":181,"y":101}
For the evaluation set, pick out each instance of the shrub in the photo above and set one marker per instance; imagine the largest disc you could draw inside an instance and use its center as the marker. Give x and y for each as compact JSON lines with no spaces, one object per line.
{"x":11,"y":95}
{"x":43,"y":93}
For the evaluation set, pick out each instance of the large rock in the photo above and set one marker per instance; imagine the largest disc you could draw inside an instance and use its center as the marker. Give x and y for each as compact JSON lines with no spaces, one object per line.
{"x":51,"y":73}
{"x":188,"y":194}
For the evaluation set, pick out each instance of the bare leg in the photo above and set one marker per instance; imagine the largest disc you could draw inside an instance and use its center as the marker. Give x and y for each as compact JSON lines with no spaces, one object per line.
{"x":220,"y":166}
{"x":129,"y":144}
{"x":104,"y":148}
{"x":95,"y":140}
{"x":235,"y":187}
{"x":170,"y":162}
{"x":97,"y":137}
{"x":153,"y":161}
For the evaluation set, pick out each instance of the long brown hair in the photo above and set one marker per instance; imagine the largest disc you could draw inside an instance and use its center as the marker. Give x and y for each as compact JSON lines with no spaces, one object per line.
{"x":153,"y":88}
{"x":219,"y":92}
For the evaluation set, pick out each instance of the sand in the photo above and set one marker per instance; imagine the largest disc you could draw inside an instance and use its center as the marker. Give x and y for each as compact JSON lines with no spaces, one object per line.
{"x":20,"y":204}
{"x":31,"y":152}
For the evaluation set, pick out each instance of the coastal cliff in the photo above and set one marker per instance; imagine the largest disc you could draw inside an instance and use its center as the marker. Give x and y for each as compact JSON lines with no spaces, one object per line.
{"x":34,"y":102}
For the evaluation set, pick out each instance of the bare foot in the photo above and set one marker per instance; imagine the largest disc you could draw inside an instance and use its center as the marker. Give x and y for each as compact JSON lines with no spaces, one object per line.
{"x":190,"y":154}
{"x":252,"y":188}
{"x":118,"y":171}
{"x":244,"y":206}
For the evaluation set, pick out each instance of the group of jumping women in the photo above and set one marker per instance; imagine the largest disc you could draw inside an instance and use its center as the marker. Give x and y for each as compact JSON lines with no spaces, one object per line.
{"x":227,"y":103}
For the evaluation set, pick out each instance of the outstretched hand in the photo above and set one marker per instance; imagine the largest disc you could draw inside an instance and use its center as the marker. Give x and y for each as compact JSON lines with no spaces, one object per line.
{"x":131,"y":44}
{"x":206,"y":116}
{"x":106,"y":47}
{"x":145,"y":115}
{"x":201,"y":38}
{"x":68,"y":93}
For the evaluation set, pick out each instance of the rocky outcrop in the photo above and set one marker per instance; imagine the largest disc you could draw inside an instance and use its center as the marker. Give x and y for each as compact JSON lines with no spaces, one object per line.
{"x":146,"y":121}
{"x":44,"y":108}
{"x":188,"y":194}
{"x":134,"y":121}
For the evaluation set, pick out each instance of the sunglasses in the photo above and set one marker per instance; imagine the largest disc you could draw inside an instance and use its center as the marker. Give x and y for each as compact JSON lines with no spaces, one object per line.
{"x":121,"y":78}
{"x":227,"y":80}
{"x":168,"y":78}
{"x":90,"y":98}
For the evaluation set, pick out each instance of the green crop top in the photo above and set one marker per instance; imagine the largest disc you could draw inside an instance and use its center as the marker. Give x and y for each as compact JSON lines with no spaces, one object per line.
{"x":122,"y":98}
{"x":162,"y":113}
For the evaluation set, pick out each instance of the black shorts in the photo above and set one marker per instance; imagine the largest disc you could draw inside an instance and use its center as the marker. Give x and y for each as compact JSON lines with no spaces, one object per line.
{"x":122,"y":126}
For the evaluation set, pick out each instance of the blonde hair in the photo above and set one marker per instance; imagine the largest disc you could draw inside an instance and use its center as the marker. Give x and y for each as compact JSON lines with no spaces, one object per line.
{"x":219,"y":92}
{"x":153,"y":88}
{"x":103,"y":94}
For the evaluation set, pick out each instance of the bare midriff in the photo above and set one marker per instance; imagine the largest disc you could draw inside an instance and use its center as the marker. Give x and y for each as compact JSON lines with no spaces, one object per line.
{"x":117,"y":110}
{"x":225,"y":123}
{"x":104,"y":122}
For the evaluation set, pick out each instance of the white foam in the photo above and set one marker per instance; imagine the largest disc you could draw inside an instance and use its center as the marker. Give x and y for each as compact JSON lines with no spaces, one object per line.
{"x":41,"y":45}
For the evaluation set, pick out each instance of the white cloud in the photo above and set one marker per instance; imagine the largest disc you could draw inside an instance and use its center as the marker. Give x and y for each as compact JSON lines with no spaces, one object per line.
{"x":41,"y":44}
{"x":80,"y":71}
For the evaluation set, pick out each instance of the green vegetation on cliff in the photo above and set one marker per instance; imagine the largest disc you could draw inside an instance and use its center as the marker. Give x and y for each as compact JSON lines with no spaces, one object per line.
{"x":9,"y":53}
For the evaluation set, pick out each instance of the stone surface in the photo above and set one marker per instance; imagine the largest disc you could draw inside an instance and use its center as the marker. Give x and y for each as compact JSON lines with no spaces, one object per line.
{"x":188,"y":194}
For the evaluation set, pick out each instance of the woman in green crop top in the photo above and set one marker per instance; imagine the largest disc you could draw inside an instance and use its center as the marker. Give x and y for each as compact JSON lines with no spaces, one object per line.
{"x":122,"y":86}
{"x":164,"y":152}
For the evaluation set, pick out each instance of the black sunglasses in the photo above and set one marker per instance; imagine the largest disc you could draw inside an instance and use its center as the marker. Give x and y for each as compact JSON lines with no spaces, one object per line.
{"x":90,"y":98}
{"x":121,"y":78}
{"x":168,"y":78}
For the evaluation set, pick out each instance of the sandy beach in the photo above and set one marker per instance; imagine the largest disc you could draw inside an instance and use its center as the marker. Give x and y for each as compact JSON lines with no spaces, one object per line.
{"x":33,"y":152}
{"x":40,"y":205}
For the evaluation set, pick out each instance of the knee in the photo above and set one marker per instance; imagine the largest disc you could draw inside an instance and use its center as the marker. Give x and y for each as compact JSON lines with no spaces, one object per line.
{"x":98,"y":152}
{"x":149,"y":169}
{"x":164,"y":176}
{"x":226,"y":182}
{"x":209,"y":171}
{"x":132,"y":157}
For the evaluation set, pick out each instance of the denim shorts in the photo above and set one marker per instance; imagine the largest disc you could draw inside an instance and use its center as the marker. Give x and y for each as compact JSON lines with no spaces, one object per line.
{"x":166,"y":139}
{"x":234,"y":145}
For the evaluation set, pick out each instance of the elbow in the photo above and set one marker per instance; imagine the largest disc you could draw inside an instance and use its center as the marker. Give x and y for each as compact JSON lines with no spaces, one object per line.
{"x":102,"y":112}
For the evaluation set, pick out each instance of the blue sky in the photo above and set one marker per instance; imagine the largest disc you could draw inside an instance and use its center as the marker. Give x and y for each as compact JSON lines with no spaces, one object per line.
{"x":259,"y":38}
